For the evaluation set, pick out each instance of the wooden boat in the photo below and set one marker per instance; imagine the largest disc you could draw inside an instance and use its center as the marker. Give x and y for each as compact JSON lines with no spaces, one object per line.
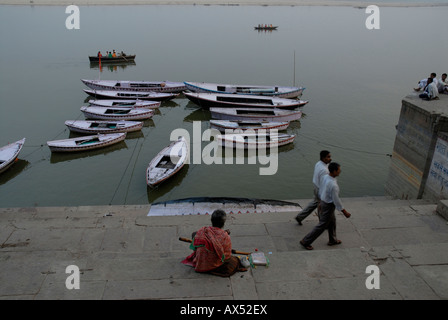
{"x":128,"y":95}
{"x":223,"y":125}
{"x":125,"y":103}
{"x":9,"y":154}
{"x":101,"y":113}
{"x":86,"y":142}
{"x":167,"y":162}
{"x":118,"y":58}
{"x":102,"y":126}
{"x":137,"y":86}
{"x":254,"y":140}
{"x":222,"y":100}
{"x":261,"y":27}
{"x":275,"y":91}
{"x":255,"y":114}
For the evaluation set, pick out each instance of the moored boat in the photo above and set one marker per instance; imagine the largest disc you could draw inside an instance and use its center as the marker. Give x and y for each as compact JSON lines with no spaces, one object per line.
{"x":85,"y":143}
{"x":254,"y":140}
{"x":101,"y":113}
{"x":103,"y":126}
{"x":125,"y":103}
{"x":128,"y":95}
{"x":223,"y":125}
{"x":9,"y":154}
{"x":156,"y":86}
{"x":167,"y":162}
{"x":276,"y":91}
{"x":222,"y":100}
{"x":255,"y":114}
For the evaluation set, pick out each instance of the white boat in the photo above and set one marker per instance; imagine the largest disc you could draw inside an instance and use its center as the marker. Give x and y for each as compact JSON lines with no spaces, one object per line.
{"x":103,"y":126}
{"x":101,"y":113}
{"x":223,"y":125}
{"x":277,"y":91}
{"x":128,"y":95}
{"x":125,"y":103}
{"x":255,"y":114}
{"x":222,"y":100}
{"x":254,"y":140}
{"x":167,"y":162}
{"x":156,"y":86}
{"x":86,"y":142}
{"x":9,"y":154}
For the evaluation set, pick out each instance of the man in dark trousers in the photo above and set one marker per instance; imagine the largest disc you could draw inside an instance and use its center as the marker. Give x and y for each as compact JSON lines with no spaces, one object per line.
{"x":320,"y":170}
{"x":329,"y":201}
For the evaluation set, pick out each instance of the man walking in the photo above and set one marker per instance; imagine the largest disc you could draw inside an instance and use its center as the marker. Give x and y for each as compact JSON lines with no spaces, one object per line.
{"x":320,"y":170}
{"x":329,"y":195}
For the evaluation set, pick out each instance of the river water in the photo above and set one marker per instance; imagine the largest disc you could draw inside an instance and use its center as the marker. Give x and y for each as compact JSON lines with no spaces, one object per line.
{"x":355,"y":79}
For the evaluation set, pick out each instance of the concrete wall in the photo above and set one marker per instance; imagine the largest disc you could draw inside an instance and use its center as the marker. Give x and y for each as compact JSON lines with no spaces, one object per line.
{"x":420,"y":127}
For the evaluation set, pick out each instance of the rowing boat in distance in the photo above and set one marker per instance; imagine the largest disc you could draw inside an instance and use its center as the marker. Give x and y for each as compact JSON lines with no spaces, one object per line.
{"x":275,"y":91}
{"x":223,"y":125}
{"x":118,"y":58}
{"x":167,"y":162}
{"x":85,"y":143}
{"x":255,"y":114}
{"x":128,"y":95}
{"x":266,"y":27}
{"x":222,"y":100}
{"x":103,"y":126}
{"x":156,"y":86}
{"x":9,"y":154}
{"x":125,"y":103}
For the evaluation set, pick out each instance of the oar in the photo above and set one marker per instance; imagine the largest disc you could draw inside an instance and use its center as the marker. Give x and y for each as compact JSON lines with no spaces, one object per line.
{"x":233,"y":251}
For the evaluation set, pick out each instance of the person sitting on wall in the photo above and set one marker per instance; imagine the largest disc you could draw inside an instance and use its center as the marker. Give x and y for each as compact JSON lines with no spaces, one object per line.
{"x":422,"y":83}
{"x":430,"y":91}
{"x":442,"y":84}
{"x":213,"y":249}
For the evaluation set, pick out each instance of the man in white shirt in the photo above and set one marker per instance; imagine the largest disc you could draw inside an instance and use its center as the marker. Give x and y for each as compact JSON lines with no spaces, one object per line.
{"x":320,"y":170}
{"x":431,"y":91}
{"x":329,"y":195}
{"x":424,"y":82}
{"x":442,"y":84}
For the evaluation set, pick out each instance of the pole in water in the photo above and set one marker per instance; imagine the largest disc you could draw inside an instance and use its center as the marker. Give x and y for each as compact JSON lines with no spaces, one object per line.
{"x":294,"y":81}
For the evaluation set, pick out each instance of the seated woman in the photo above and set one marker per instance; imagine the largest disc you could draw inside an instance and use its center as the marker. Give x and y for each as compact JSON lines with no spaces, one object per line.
{"x":213,"y":249}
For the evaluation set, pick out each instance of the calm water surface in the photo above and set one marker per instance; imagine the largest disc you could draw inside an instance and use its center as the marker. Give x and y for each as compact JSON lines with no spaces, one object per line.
{"x":355,"y":80}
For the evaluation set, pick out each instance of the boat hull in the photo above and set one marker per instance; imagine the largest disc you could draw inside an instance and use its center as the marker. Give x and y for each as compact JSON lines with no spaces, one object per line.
{"x":223,"y":125}
{"x":152,"y":96}
{"x":100,"y":113}
{"x":9,"y":153}
{"x":161,"y":166}
{"x":94,"y":127}
{"x":212,"y":100}
{"x":274,"y":91}
{"x":254,"y":115}
{"x":125,"y":103}
{"x":86,"y":143}
{"x":136,"y":86}
{"x":251,"y":142}
{"x":129,"y":58}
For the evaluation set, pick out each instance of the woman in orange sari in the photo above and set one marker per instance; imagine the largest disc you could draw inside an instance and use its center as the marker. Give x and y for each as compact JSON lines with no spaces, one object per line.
{"x":213,"y":249}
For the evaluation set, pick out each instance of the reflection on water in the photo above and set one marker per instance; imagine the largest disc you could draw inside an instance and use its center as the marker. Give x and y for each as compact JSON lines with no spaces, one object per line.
{"x":112,"y":67}
{"x":57,"y":157}
{"x":13,"y":171}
